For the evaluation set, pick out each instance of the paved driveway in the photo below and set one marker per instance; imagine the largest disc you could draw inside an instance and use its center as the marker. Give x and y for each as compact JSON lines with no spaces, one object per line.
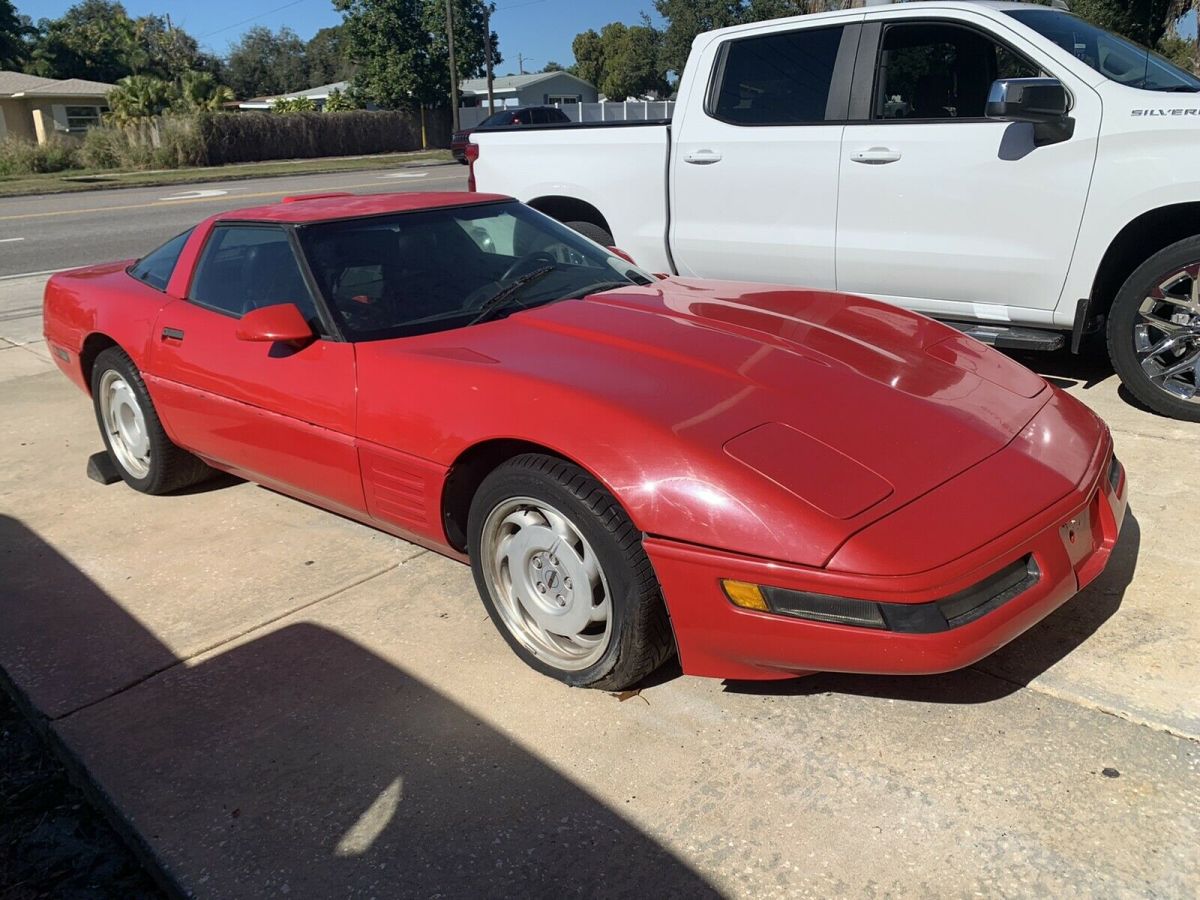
{"x":275,"y":700}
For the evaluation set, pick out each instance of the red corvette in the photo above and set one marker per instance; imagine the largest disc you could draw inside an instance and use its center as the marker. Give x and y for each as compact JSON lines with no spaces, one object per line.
{"x":767,"y":480}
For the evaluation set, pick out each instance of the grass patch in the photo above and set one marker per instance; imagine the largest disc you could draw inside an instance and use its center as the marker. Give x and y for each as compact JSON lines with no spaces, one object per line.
{"x":103,"y":179}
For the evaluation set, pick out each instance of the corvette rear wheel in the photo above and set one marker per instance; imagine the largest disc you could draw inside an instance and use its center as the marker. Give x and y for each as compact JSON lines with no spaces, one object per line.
{"x":1154,"y":331}
{"x":145,"y":457}
{"x":564,"y":577}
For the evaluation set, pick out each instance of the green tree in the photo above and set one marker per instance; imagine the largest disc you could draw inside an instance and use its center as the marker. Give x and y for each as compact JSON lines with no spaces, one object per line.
{"x":98,"y":40}
{"x":688,"y":18}
{"x":400,"y":51}
{"x":14,"y":29}
{"x":621,"y":60}
{"x":93,"y":39}
{"x":337,"y":101}
{"x":631,"y":62}
{"x":264,"y":62}
{"x":589,"y":56}
{"x":326,"y":58}
{"x":139,"y":97}
{"x":197,"y":91}
{"x":159,"y":49}
{"x":552,"y":66}
{"x":294,"y":104}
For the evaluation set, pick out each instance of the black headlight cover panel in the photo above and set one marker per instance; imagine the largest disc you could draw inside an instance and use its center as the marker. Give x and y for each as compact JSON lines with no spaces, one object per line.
{"x":910,"y":618}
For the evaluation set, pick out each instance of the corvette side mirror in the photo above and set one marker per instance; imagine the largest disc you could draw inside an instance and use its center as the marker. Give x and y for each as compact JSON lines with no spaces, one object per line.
{"x":281,"y":322}
{"x":1044,"y":102}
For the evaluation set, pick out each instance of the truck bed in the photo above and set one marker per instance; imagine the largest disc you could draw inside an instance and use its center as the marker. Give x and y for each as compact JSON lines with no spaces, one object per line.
{"x":592,"y":162}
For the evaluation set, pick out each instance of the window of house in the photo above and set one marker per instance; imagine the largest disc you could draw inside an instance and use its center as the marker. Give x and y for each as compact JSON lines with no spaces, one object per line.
{"x":941,"y":71}
{"x":244,"y":267}
{"x":81,"y":118}
{"x":778,"y":79}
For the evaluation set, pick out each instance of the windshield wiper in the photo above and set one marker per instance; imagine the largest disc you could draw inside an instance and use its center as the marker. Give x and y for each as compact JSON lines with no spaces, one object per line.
{"x":1174,"y":89}
{"x":499,"y":300}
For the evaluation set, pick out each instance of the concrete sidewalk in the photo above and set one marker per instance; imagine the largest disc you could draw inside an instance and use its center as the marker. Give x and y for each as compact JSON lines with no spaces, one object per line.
{"x":276,"y":700}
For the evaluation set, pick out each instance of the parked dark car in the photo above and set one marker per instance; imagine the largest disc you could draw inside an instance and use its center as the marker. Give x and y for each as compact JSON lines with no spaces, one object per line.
{"x":525,"y":115}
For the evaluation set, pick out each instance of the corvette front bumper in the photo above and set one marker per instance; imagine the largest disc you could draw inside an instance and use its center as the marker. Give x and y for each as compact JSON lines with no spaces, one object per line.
{"x":1067,"y":545}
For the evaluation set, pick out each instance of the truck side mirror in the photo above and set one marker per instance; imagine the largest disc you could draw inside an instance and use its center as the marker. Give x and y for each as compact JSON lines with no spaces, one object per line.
{"x":1044,"y":102}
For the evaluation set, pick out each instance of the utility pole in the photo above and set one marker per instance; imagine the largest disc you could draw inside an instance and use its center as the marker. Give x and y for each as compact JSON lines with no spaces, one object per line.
{"x":520,"y":63}
{"x":453,"y":70}
{"x":487,"y":43}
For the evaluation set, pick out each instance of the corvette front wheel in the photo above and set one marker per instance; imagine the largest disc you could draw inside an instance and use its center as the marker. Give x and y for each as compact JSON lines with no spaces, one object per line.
{"x":563,"y":575}
{"x":135,"y":439}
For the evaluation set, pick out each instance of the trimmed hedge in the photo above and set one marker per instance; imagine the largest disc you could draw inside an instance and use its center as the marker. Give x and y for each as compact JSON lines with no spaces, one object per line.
{"x":258,"y":136}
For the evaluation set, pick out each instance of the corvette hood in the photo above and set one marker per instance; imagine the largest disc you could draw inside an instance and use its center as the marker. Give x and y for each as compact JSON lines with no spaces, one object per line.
{"x":848,"y":407}
{"x":909,"y":399}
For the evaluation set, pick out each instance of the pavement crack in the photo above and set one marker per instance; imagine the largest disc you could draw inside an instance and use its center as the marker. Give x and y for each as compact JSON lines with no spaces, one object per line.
{"x":1077,"y":700}
{"x":216,"y":645}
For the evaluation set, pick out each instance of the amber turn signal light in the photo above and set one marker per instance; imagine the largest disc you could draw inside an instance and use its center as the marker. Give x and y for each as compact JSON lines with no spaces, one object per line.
{"x":745,"y":595}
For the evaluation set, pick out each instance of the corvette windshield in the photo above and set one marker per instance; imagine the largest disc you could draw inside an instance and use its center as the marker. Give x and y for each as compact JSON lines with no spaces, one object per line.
{"x":1113,"y":57}
{"x":433,"y":270}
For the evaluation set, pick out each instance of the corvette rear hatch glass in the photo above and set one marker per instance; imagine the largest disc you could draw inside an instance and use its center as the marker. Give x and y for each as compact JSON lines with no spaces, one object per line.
{"x":433,"y":270}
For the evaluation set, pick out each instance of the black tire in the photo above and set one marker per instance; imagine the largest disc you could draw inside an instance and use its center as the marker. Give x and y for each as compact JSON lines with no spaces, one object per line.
{"x":640,"y":638}
{"x":592,"y":232}
{"x":171,"y":468}
{"x":1124,"y":317}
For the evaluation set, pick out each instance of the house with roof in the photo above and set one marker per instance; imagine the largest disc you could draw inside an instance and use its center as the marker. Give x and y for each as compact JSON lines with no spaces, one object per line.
{"x":318,"y":95}
{"x":34,"y":108}
{"x":539,"y":89}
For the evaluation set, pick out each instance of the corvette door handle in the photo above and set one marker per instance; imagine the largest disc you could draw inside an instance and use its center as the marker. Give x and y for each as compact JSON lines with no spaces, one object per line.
{"x":172,"y":334}
{"x":702,"y":157}
{"x":875,"y":156}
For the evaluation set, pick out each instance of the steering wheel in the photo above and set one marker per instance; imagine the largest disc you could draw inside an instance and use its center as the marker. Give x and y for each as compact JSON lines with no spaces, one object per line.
{"x":525,"y":264}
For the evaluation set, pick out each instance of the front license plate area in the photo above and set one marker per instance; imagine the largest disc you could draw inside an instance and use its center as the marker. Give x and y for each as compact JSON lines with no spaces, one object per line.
{"x":1079,"y":535}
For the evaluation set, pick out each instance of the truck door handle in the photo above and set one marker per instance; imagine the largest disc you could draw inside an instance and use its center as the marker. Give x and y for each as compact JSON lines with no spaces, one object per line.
{"x":875,"y":156}
{"x":172,"y":334}
{"x":702,"y":157}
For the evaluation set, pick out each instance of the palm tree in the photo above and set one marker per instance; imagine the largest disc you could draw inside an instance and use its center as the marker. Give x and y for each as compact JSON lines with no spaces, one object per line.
{"x":137,"y":98}
{"x":200,"y":91}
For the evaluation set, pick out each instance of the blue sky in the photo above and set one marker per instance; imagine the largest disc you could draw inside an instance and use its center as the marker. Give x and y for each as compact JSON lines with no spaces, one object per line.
{"x":540,"y":30}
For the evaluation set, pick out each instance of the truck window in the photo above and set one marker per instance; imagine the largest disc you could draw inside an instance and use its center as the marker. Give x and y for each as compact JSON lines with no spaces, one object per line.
{"x":777,"y":79}
{"x":1113,"y":57}
{"x":936,"y":71}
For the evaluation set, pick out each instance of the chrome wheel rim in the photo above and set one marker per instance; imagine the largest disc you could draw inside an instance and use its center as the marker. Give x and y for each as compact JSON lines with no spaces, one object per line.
{"x":1166,"y":335}
{"x":546,"y":583}
{"x":125,"y":424}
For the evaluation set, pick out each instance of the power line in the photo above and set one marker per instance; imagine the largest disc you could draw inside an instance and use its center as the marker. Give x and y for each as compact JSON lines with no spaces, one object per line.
{"x":253,"y":18}
{"x":509,"y":6}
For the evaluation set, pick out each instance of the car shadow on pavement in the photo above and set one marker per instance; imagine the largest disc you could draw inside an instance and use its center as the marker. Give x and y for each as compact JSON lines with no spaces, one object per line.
{"x":1010,"y":668}
{"x":301,"y":762}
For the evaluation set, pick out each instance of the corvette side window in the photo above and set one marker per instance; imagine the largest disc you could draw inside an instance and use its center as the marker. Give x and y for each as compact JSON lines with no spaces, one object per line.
{"x":244,"y":267}
{"x":155,"y":267}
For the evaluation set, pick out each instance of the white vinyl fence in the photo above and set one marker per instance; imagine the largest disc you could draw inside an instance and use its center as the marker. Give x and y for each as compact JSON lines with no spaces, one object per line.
{"x":629,"y":111}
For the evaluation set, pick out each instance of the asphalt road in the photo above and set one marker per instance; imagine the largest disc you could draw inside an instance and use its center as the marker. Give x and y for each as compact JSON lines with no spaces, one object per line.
{"x":59,"y":231}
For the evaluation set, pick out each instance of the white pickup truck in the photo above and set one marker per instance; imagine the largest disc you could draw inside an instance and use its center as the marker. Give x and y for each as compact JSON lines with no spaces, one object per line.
{"x":1006,"y":167}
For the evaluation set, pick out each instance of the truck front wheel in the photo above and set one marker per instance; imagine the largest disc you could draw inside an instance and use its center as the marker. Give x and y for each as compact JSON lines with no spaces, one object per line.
{"x":1154,"y":331}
